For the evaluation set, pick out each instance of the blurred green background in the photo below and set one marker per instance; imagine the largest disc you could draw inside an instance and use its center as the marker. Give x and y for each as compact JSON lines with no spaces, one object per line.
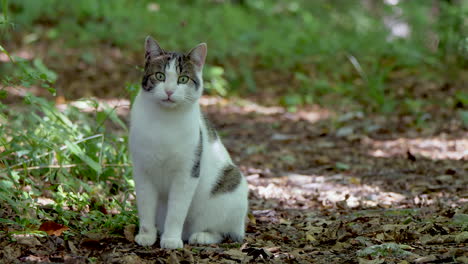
{"x":403,"y":57}
{"x":298,"y":52}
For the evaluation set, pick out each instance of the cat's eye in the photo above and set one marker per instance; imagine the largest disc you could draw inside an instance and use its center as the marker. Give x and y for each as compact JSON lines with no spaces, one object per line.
{"x":183,"y":79}
{"x":160,"y":76}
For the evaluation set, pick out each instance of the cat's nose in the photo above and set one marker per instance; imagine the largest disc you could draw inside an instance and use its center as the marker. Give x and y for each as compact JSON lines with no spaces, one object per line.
{"x":169,"y":93}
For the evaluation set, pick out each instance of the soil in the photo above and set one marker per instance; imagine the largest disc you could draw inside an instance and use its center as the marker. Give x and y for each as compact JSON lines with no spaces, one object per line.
{"x":324,"y":188}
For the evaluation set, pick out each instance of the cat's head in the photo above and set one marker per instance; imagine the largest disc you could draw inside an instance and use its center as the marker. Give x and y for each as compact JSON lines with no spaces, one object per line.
{"x":173,"y":79}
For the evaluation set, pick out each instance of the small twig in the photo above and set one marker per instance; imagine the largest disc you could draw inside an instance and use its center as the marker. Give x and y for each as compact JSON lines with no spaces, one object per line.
{"x":357,"y":66}
{"x":100,"y":155}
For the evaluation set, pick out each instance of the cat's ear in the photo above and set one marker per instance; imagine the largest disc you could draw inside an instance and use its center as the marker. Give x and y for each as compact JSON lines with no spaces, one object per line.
{"x":152,"y":48}
{"x":198,"y":54}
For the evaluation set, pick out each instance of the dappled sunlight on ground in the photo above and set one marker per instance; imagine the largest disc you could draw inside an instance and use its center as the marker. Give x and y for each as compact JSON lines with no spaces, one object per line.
{"x":319,"y":184}
{"x":121,"y":106}
{"x":317,"y":191}
{"x":435,"y":148}
{"x":243,"y":107}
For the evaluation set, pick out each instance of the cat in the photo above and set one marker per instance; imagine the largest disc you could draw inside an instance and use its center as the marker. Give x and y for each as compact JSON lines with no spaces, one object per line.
{"x":187,"y":186}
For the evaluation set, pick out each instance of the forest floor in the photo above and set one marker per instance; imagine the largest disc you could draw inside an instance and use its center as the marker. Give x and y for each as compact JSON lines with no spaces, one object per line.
{"x":324,"y":188}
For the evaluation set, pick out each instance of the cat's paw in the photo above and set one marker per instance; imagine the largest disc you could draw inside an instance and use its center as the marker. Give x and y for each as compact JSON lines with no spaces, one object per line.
{"x":146,"y":239}
{"x":171,"y":243}
{"x":205,"y":238}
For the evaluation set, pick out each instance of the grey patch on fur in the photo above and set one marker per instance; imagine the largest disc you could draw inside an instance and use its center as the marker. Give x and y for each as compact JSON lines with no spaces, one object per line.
{"x":228,"y":180}
{"x":212,"y":134}
{"x":198,"y":154}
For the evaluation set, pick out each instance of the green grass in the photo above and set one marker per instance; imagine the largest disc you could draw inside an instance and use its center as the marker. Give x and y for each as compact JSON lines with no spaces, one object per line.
{"x":328,"y":48}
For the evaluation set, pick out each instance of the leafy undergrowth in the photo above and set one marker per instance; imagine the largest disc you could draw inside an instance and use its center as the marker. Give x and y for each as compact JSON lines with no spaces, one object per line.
{"x":324,"y":188}
{"x":82,"y":46}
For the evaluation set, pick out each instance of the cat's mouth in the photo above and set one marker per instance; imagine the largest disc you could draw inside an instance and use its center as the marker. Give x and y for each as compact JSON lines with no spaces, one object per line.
{"x":168,"y":100}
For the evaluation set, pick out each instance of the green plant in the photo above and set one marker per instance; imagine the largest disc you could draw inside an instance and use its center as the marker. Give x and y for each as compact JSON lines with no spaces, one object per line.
{"x":386,"y":249}
{"x":343,"y":49}
{"x":216,"y":82}
{"x":65,"y":157}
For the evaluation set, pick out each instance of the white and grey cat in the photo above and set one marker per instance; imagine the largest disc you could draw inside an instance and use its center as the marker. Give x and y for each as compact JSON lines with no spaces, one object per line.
{"x":187,"y":186}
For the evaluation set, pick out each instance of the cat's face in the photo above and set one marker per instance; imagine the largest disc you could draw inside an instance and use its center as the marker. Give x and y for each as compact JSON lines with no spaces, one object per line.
{"x":173,"y":79}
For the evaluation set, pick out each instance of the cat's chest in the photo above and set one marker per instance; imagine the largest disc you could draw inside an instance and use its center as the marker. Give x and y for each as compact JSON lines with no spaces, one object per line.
{"x":162,"y":145}
{"x":162,"y":139}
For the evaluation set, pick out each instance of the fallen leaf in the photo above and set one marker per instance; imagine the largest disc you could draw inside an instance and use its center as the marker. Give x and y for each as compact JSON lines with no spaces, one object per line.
{"x":129,"y":232}
{"x":52,"y":228}
{"x":425,"y":259}
{"x":28,"y":240}
{"x":462,"y":237}
{"x":72,"y":247}
{"x":130,"y":259}
{"x":371,"y":261}
{"x":310,"y":238}
{"x":252,"y":219}
{"x":437,"y":239}
{"x":172,"y":259}
{"x":340,"y":246}
{"x":188,"y":256}
{"x":11,"y":253}
{"x":283,"y":221}
{"x":444,"y":178}
{"x":96,"y":236}
{"x":463,"y":259}
{"x":235,"y":254}
{"x":355,"y":180}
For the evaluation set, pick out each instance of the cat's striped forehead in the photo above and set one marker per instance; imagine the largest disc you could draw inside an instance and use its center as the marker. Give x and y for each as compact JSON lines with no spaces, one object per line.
{"x":181,"y":62}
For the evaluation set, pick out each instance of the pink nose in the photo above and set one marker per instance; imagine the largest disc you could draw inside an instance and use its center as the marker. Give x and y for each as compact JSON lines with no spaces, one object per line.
{"x":169,"y":93}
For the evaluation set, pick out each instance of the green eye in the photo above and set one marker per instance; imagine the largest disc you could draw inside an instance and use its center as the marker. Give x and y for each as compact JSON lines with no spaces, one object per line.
{"x":160,"y":76}
{"x":183,"y":79}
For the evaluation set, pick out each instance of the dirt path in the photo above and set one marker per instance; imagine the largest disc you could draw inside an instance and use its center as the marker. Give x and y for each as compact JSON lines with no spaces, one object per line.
{"x":324,"y":189}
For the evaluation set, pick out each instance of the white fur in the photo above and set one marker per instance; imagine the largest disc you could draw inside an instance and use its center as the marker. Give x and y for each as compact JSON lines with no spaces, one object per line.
{"x":163,"y":142}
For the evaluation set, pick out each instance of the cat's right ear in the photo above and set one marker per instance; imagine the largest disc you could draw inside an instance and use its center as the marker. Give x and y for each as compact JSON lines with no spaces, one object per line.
{"x":152,"y":48}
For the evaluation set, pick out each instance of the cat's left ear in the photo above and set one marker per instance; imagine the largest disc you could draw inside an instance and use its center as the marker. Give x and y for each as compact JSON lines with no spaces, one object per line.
{"x":152,"y":48}
{"x":198,"y":54}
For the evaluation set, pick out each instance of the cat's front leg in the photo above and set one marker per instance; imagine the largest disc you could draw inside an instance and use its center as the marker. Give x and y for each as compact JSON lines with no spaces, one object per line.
{"x":180,"y":198}
{"x":147,"y":200}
